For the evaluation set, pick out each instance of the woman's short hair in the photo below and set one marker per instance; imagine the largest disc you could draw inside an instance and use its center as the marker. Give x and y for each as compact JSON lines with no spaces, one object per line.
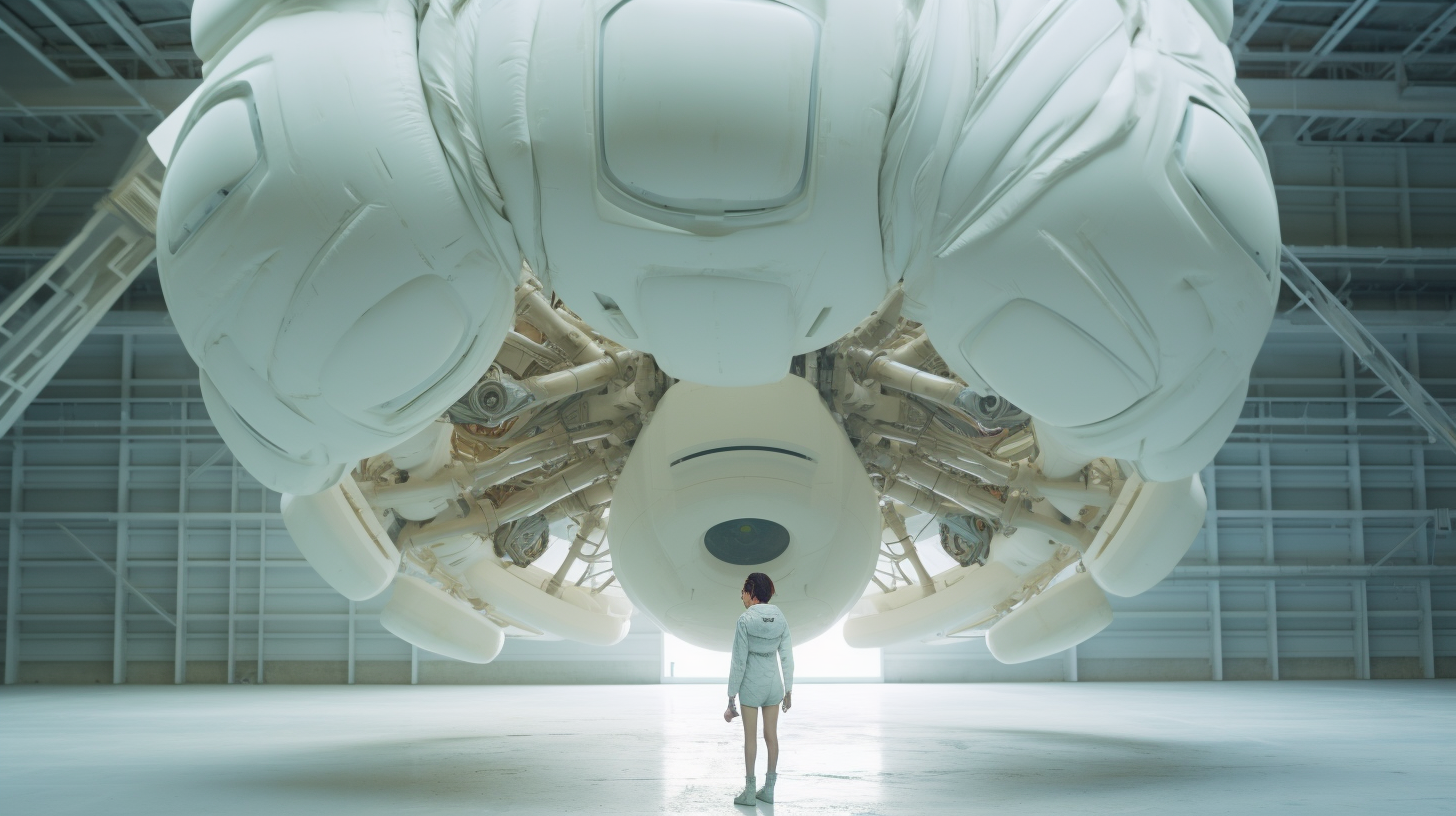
{"x":760,"y":586}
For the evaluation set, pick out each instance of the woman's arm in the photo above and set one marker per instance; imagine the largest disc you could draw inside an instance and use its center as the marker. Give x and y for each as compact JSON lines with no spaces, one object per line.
{"x":740,"y":659}
{"x":786,"y":659}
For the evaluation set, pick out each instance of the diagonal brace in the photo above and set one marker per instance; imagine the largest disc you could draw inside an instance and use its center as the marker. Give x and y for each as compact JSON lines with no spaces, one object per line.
{"x":1322,"y":302}
{"x":103,"y":562}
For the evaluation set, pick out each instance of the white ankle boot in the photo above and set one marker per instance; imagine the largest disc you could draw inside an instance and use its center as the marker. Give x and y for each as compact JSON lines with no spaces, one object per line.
{"x":746,"y":797}
{"x":765,"y":793}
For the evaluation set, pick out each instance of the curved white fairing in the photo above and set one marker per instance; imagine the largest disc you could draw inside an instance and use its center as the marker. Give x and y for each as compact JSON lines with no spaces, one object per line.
{"x":423,"y":614}
{"x":577,"y":614}
{"x":1059,"y":618}
{"x":1146,"y":534}
{"x":962,"y":594}
{"x":338,"y":534}
{"x":767,"y":453}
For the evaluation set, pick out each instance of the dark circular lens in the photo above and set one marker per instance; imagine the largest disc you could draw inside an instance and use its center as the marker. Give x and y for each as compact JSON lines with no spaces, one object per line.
{"x":746,"y":541}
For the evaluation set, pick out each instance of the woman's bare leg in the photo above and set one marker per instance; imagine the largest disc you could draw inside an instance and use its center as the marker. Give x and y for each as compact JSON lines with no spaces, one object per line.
{"x":750,"y":739}
{"x":771,"y":735}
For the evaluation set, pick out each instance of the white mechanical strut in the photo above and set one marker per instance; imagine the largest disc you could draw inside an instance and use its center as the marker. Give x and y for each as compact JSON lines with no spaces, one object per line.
{"x":45,"y":319}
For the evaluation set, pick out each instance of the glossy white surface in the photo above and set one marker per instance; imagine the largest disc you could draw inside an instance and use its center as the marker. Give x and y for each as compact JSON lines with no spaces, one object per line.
{"x":1186,"y":748}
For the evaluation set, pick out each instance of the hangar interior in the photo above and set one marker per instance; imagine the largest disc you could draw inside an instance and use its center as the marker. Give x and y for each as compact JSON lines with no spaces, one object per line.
{"x":135,"y":550}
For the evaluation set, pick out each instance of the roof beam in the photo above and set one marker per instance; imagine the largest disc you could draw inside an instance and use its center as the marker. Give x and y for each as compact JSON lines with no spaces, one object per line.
{"x":126,"y":28}
{"x":1339,"y":30}
{"x":85,"y":47}
{"x":96,"y":97}
{"x":1250,"y":21}
{"x":1348,"y":98}
{"x":34,"y":51}
{"x":1434,"y":33}
{"x":1345,"y":57}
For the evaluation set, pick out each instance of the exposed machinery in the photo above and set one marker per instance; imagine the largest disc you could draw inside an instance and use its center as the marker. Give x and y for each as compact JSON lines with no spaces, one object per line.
{"x":542,"y":309}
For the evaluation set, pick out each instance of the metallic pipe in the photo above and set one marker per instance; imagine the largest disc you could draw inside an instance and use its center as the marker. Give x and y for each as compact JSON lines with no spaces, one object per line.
{"x":577,"y":379}
{"x":901,"y":377}
{"x":922,"y":500}
{"x":913,"y":353}
{"x":950,"y":451}
{"x":896,"y":524}
{"x":539,"y":312}
{"x":485,"y":518}
{"x":951,"y":488}
{"x":539,"y":496}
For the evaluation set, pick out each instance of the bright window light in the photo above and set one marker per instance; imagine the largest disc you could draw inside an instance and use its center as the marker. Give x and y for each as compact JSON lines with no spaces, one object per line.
{"x":826,"y":657}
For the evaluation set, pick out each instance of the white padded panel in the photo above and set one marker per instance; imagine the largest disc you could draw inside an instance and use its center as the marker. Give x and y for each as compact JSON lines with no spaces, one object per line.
{"x":1031,"y":352}
{"x":404,"y":341}
{"x":219,"y":151}
{"x":214,"y":22}
{"x":706,"y":105}
{"x":1232,"y":183}
{"x":719,"y":330}
{"x":1219,"y":14}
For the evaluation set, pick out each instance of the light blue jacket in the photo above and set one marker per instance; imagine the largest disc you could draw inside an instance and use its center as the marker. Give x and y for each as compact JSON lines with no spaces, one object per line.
{"x":754,"y":677}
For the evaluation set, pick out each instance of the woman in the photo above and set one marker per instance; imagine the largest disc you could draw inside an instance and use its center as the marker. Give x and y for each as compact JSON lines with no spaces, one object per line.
{"x":762,"y":630}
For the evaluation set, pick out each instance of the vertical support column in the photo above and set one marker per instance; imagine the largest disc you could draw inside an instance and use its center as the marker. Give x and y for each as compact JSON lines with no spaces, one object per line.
{"x":232,"y":621}
{"x":414,"y":665}
{"x":1271,"y":611}
{"x":12,"y":564}
{"x":1210,"y":549}
{"x":1267,"y":489}
{"x":262,"y":582}
{"x":27,"y":176}
{"x":351,"y":643}
{"x":1069,"y":666}
{"x":123,"y":548}
{"x":1425,"y":543}
{"x":123,"y":527}
{"x":1215,"y":629}
{"x":1210,"y":517}
{"x":1361,"y":600}
{"x":179,"y":647}
{"x":1271,"y":622}
{"x":1402,"y":176}
{"x":1342,"y":210}
{"x":1352,"y":461}
{"x":1428,"y":640}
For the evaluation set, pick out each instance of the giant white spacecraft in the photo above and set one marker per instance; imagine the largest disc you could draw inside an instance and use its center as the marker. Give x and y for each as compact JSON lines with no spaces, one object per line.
{"x":662,"y":292}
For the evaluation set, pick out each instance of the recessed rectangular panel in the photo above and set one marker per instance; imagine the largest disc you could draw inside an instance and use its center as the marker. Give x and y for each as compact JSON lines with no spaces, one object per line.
{"x":705,"y":105}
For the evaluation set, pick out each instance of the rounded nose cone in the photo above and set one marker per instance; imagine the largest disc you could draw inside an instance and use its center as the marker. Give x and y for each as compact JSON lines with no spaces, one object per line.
{"x":728,"y":481}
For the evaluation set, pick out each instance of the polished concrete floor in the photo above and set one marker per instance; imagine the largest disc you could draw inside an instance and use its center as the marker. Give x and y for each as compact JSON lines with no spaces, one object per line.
{"x":1093,"y":748}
